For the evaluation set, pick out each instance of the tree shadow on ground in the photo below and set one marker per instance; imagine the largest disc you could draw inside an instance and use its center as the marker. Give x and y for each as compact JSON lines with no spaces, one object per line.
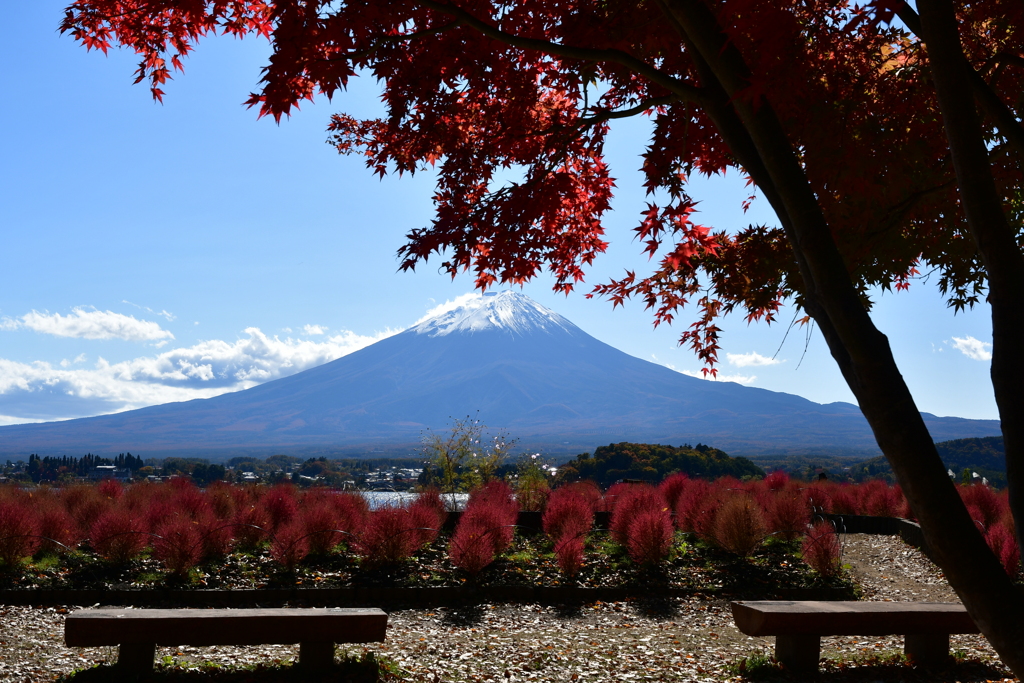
{"x":366,"y":669}
{"x":463,"y":616}
{"x":874,"y":669}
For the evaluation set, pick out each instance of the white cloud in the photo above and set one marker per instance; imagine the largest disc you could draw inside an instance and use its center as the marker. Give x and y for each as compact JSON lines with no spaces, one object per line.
{"x":314,"y":330}
{"x":457,"y":302}
{"x":739,"y":379}
{"x":744,"y":360}
{"x":973,"y":348}
{"x":204,"y":370}
{"x":85,"y":323}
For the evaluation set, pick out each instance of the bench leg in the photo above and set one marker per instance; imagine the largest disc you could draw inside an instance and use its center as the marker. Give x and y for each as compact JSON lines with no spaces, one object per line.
{"x":136,"y":658}
{"x":926,"y":648}
{"x":316,"y":656}
{"x":798,"y":653}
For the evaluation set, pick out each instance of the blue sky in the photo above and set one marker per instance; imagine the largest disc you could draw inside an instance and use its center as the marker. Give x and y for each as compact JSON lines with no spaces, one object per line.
{"x":163,"y":252}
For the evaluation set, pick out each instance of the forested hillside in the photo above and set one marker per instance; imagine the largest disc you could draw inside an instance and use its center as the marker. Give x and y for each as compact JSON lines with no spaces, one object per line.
{"x":652,"y":462}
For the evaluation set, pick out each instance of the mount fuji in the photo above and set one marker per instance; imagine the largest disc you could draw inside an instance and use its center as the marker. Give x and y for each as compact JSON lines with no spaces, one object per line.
{"x":525,"y":368}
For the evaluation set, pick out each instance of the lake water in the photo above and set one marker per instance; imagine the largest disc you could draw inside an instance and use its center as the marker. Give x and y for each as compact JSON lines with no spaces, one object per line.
{"x":379,"y":499}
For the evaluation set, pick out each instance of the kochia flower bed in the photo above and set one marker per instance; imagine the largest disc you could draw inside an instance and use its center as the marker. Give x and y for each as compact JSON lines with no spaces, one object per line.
{"x":727,"y":535}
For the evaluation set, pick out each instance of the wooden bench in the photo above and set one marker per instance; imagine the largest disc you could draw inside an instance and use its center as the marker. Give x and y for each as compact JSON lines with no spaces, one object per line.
{"x":137,"y":632}
{"x":798,"y":626}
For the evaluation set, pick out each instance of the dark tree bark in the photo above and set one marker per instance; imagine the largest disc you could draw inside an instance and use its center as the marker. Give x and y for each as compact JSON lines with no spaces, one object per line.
{"x":863,"y":353}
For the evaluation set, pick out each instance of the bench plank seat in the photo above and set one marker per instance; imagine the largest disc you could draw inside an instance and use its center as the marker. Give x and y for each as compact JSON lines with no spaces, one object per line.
{"x":799,"y":625}
{"x":139,"y":631}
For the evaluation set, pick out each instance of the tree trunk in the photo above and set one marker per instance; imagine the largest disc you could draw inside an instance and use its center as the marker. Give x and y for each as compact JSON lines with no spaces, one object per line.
{"x":992,"y":233}
{"x":864,"y":357}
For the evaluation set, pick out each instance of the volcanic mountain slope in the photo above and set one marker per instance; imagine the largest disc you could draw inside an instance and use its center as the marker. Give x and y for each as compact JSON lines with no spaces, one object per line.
{"x":522,"y":366}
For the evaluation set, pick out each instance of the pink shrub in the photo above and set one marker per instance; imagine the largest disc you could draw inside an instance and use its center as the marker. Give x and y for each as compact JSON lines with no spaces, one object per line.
{"x":221,"y":499}
{"x":189,"y":500}
{"x":250,"y":526}
{"x":649,"y":535}
{"x":777,"y":480}
{"x":289,"y":545}
{"x":110,"y":488}
{"x":56,"y":526}
{"x":845,"y":500}
{"x":821,"y":549}
{"x":351,"y":511}
{"x":696,"y":509}
{"x":18,"y":529}
{"x":672,"y":487}
{"x":612,"y":495}
{"x":388,"y":537}
{"x":280,"y":504}
{"x":881,"y":500}
{"x":785,"y":513}
{"x":495,"y":505}
{"x":590,"y":491}
{"x":569,"y":553}
{"x":818,"y":498}
{"x":985,"y":501}
{"x":179,"y":544}
{"x":118,"y":536}
{"x":739,"y":525}
{"x":217,"y":536}
{"x":568,"y":515}
{"x":320,"y":524}
{"x":1004,"y":545}
{"x":427,"y":515}
{"x":85,"y":505}
{"x":473,"y":545}
{"x":631,"y":502}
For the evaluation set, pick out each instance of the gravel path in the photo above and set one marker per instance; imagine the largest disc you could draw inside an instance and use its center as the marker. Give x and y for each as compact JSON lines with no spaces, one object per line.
{"x":684,"y":640}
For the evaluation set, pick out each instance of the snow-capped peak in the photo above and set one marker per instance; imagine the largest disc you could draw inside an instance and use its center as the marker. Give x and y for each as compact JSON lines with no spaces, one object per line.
{"x":509,"y":311}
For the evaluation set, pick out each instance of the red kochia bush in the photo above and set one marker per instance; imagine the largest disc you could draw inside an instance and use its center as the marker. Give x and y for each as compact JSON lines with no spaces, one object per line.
{"x":590,"y":491}
{"x":776,"y":481}
{"x":845,"y":500}
{"x":250,"y":526}
{"x":485,"y":529}
{"x":569,"y":554}
{"x":427,"y":515}
{"x":388,"y":537}
{"x":821,"y":549}
{"x":988,"y":505}
{"x":118,"y":536}
{"x":289,"y":545}
{"x":785,"y":513}
{"x":1004,"y":545}
{"x":631,"y":502}
{"x":739,"y":526}
{"x":319,"y":518}
{"x":110,"y":488}
{"x":18,"y":529}
{"x":280,"y":504}
{"x":696,"y":509}
{"x":568,"y":515}
{"x":672,"y":487}
{"x":56,"y":526}
{"x":649,"y":535}
{"x":179,"y":544}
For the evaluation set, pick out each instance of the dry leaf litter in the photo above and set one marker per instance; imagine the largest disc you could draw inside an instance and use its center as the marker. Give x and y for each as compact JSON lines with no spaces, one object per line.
{"x":689,"y":639}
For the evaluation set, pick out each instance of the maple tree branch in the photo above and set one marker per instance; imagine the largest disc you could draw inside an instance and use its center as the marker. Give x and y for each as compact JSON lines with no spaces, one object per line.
{"x":404,"y":37}
{"x":1004,"y":118}
{"x":626,"y":113}
{"x":683,"y":90}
